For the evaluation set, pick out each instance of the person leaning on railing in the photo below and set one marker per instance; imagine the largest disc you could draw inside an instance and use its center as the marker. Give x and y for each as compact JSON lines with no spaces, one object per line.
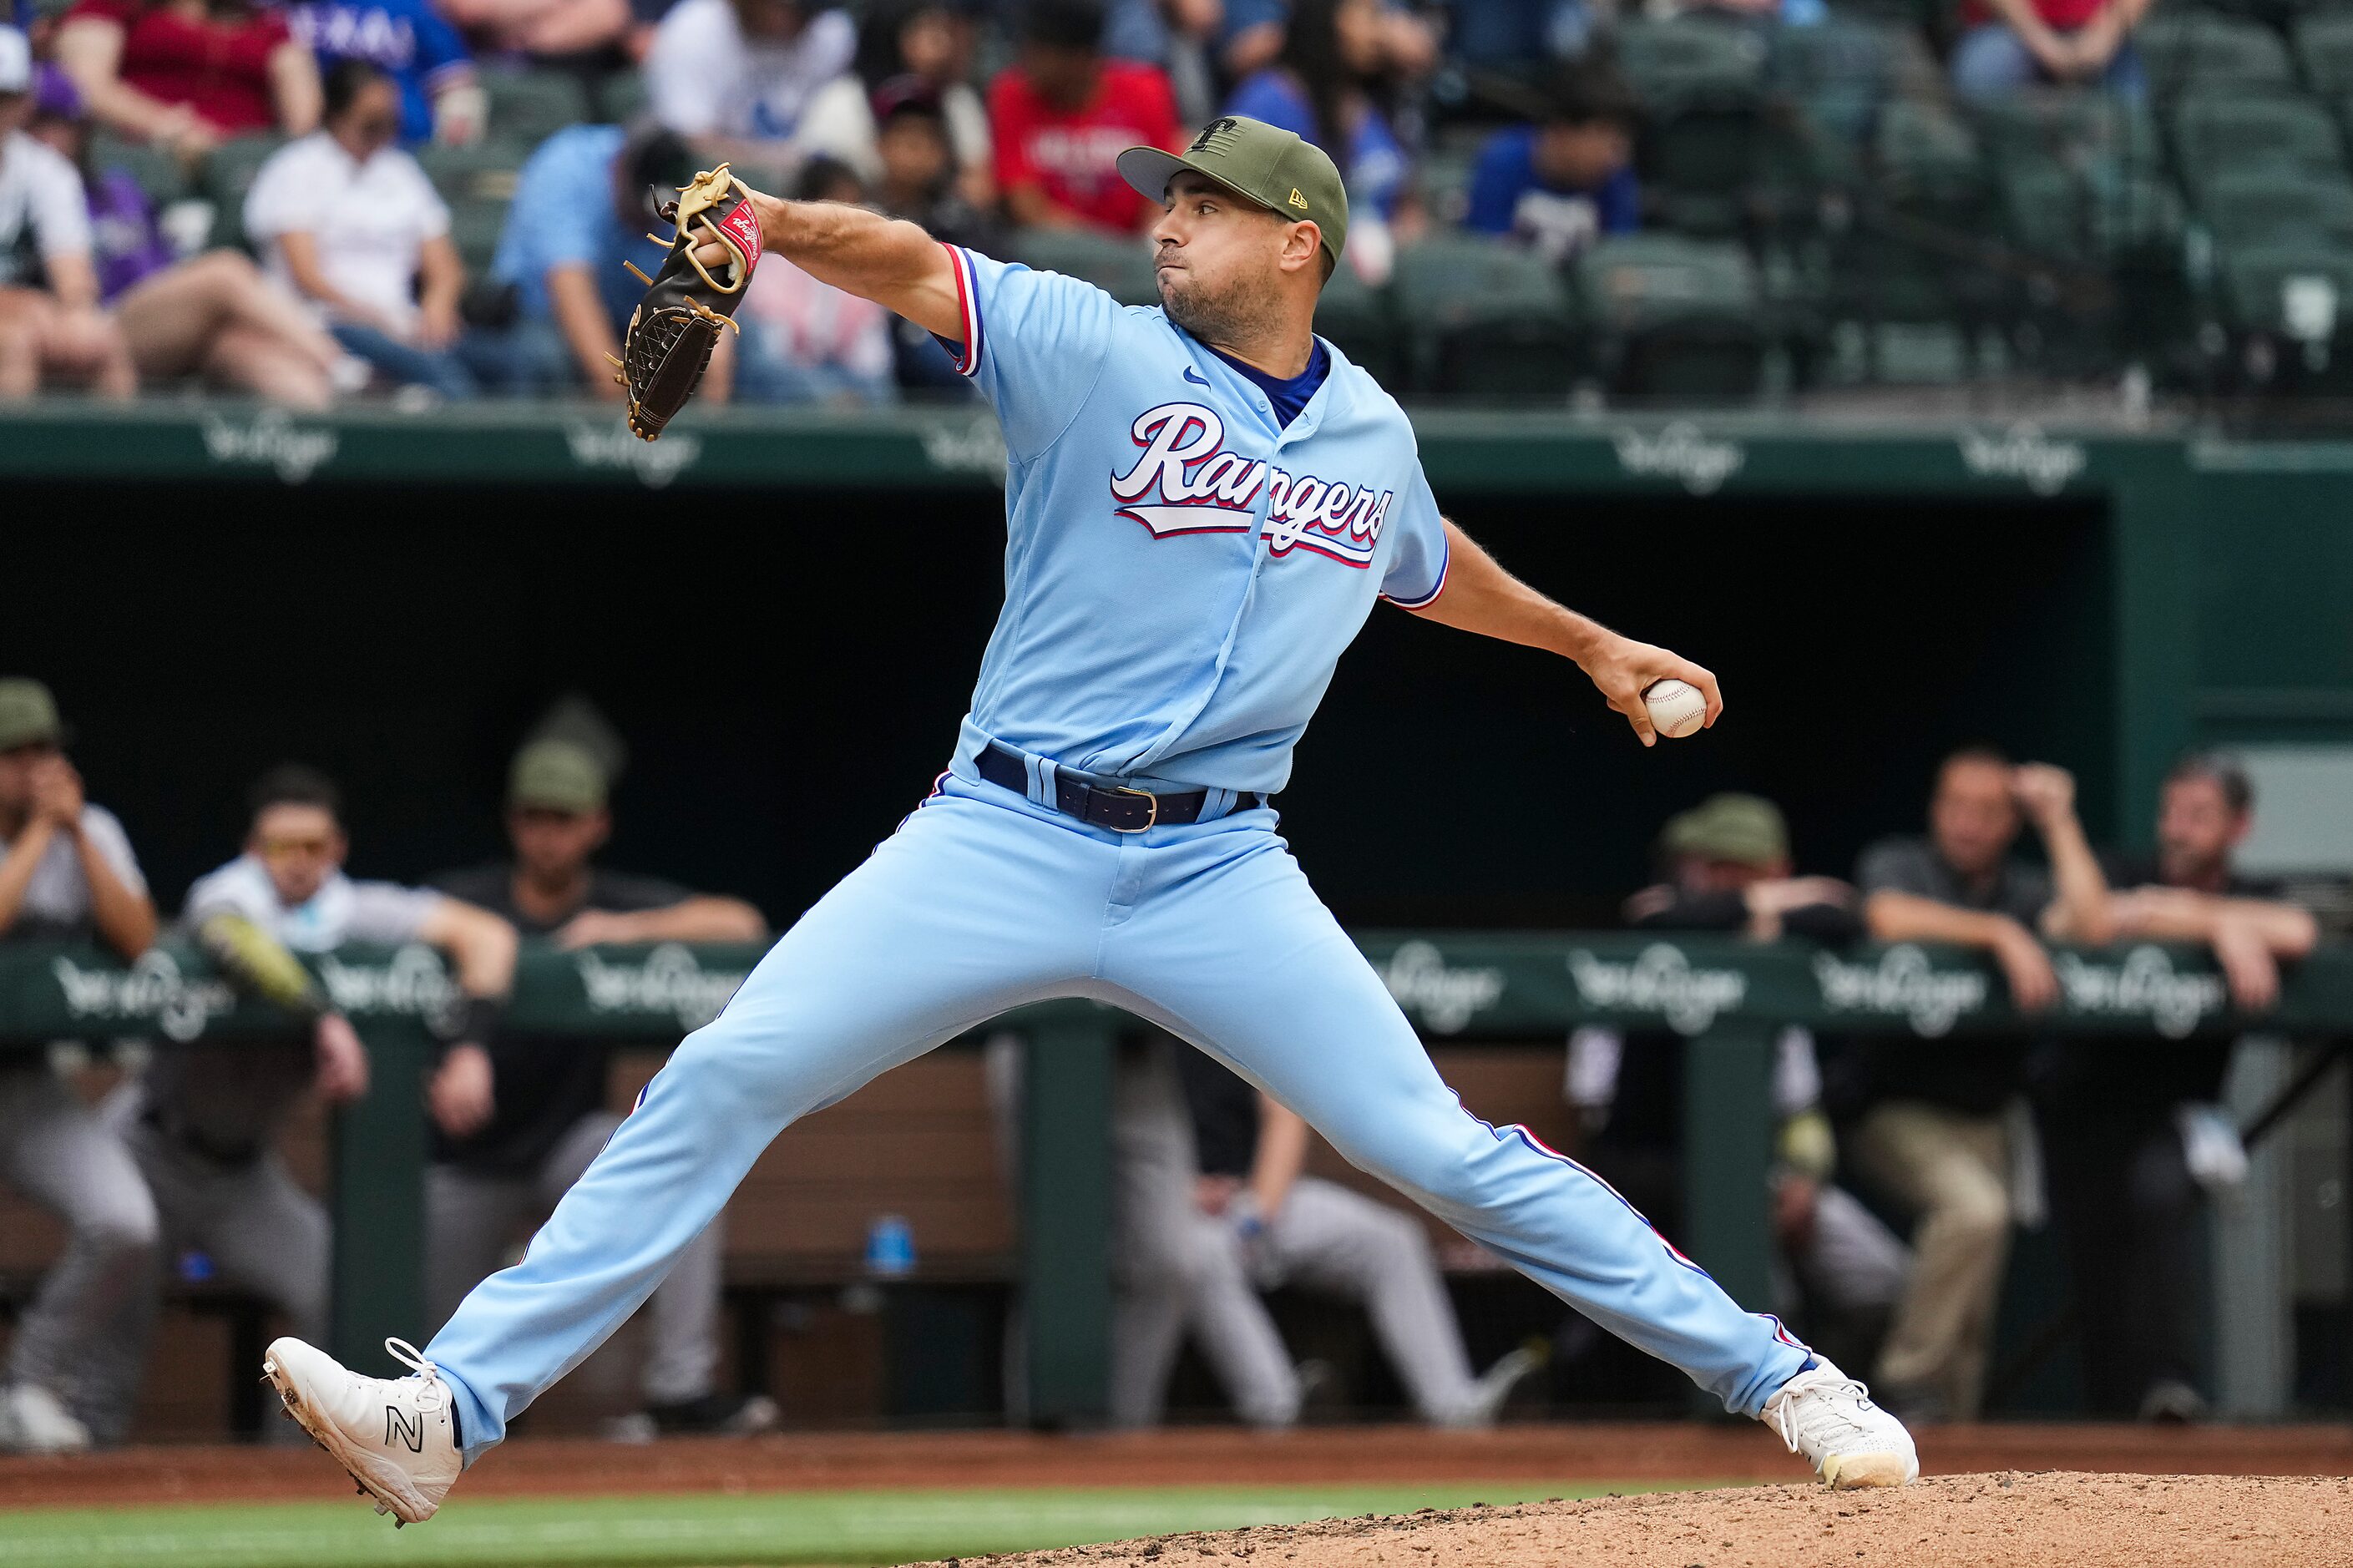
{"x":204,"y":1121}
{"x":2133,"y":1136}
{"x":66,"y":872}
{"x":1929,"y":1117}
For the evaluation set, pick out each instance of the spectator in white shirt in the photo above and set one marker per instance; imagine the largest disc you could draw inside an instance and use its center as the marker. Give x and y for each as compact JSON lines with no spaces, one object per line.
{"x":351,"y":224}
{"x":808,"y":341}
{"x":736,"y":76}
{"x":50,"y":324}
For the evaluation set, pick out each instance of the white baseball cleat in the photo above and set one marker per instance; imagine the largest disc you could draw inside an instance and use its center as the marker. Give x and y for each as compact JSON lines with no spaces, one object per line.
{"x":1827,"y":1418}
{"x":395,"y":1434}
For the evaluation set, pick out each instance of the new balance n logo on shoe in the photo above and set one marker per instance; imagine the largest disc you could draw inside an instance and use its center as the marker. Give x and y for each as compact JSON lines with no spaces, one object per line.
{"x":401,"y":1427}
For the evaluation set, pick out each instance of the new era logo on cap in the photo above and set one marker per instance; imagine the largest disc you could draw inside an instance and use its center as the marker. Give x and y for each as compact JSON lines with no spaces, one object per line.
{"x":1297,"y":200}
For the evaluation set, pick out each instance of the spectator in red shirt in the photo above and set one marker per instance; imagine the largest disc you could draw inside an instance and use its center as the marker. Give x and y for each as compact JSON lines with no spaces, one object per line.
{"x":1061,"y":114}
{"x":186,"y":73}
{"x":2014,"y":44}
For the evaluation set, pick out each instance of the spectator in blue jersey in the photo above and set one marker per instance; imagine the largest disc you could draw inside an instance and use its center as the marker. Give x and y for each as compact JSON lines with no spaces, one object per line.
{"x":581,"y":207}
{"x":1558,"y":184}
{"x":1320,"y":87}
{"x":413,"y":45}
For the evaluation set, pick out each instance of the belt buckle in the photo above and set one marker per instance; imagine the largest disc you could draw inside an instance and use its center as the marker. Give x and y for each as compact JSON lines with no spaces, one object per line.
{"x":1148,"y":821}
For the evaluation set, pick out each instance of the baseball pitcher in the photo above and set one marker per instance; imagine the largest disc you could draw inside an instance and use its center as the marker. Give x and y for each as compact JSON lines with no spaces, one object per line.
{"x":1203,"y":500}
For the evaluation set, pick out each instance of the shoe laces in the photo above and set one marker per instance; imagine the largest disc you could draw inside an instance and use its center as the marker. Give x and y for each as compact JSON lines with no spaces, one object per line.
{"x":409,"y":1356}
{"x":1831,"y":1397}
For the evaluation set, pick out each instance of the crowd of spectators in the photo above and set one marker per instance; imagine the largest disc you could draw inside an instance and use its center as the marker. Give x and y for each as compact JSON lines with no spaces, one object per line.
{"x":257,"y":195}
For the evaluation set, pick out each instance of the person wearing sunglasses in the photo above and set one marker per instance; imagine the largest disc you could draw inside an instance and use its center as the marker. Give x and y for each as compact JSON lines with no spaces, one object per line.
{"x":349,"y":222}
{"x":204,"y":1121}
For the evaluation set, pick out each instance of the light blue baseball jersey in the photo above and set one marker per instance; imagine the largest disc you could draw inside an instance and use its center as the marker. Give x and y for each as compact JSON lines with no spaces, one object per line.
{"x":1143,"y":471}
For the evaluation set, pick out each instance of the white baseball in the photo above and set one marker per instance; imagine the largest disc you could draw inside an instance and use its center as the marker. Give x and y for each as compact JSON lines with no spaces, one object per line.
{"x":1676,"y":707}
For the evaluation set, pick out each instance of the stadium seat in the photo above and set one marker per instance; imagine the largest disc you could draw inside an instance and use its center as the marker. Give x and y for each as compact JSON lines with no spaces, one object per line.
{"x":466,"y":173}
{"x":1356,"y":319}
{"x":2193,"y":51}
{"x":1484,"y":318}
{"x":1839,"y":69}
{"x":2215,"y":134}
{"x":2324,"y":53}
{"x":229,"y":174}
{"x":2276,"y":206}
{"x":1669,"y":63}
{"x":527,"y":107}
{"x":1674,"y":317}
{"x":2289,"y":311}
{"x":1122,"y":268}
{"x":2097,"y":218}
{"x":475,"y":225}
{"x":1927,"y":158}
{"x":621,"y":97}
{"x":2074,"y":129}
{"x":158,"y":173}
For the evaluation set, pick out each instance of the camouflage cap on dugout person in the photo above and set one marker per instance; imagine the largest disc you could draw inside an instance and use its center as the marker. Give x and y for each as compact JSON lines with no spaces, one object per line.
{"x":1291,"y":178}
{"x":29,"y":714}
{"x":1744,"y":829}
{"x":555,"y":775}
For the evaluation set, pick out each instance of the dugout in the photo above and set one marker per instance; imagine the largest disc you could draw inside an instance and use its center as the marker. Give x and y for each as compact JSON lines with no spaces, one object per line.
{"x":783,"y":616}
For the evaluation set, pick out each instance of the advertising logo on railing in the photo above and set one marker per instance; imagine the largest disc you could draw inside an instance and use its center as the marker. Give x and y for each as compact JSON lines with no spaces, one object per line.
{"x":2145,"y":986}
{"x":2024,"y":452}
{"x":1660,"y":980}
{"x":656,"y":463}
{"x":294,"y":452}
{"x":975,"y":447}
{"x":151,"y":990}
{"x":1681,"y":453}
{"x":413,"y":985}
{"x":1445,"y":998}
{"x":1903,"y":982}
{"x":669,"y":981}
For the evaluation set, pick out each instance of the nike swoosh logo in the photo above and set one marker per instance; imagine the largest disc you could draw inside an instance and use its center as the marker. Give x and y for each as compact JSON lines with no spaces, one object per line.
{"x":1194,"y":376}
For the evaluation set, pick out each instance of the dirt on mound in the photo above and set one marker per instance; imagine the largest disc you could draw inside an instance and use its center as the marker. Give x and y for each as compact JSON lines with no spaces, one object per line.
{"x":2054,"y":1520}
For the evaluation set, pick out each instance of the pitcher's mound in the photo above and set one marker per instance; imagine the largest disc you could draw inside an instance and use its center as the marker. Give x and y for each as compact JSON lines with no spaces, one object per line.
{"x":2054,"y":1520}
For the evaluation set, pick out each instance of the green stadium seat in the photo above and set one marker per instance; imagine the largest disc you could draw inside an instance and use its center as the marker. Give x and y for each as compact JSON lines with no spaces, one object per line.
{"x":1928,"y":157}
{"x":475,"y":225}
{"x":2193,"y":51}
{"x":159,"y":175}
{"x":228,"y":173}
{"x":1356,"y":319}
{"x":1122,"y":268}
{"x":2301,"y":293}
{"x":2274,"y":206}
{"x":485,"y":172}
{"x":1669,"y":63}
{"x":2072,"y":128}
{"x":621,"y":97}
{"x":1675,"y":316}
{"x":1484,"y":318}
{"x":2324,"y":53}
{"x":1841,"y":69}
{"x":2098,"y":219}
{"x":527,"y":107}
{"x":2215,"y":135}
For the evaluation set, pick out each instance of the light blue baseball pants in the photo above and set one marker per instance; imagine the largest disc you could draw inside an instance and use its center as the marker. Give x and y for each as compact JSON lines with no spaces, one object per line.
{"x":984,"y":900}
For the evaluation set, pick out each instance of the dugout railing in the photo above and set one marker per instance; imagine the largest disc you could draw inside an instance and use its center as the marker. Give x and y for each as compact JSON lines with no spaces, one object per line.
{"x":1725,"y":999}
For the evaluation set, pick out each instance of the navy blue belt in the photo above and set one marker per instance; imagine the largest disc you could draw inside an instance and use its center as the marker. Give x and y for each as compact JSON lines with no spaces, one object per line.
{"x":1115,"y":806}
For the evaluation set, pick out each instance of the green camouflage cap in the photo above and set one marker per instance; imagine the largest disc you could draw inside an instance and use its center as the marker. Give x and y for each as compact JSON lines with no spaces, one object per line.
{"x":1746,"y":829}
{"x":1292,"y":178}
{"x":555,"y":775}
{"x":27,"y":714}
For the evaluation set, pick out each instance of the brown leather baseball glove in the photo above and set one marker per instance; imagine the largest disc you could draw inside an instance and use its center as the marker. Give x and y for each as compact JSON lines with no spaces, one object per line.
{"x":675,"y":325}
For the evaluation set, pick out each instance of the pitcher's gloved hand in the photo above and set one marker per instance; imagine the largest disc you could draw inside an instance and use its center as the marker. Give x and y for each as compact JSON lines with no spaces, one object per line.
{"x":675,"y":325}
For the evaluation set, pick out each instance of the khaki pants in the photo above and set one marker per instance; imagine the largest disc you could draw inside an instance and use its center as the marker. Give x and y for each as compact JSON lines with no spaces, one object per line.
{"x":1952,"y":1170}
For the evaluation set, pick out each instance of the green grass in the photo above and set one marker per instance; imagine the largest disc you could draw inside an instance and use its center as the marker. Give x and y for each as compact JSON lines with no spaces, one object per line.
{"x":704,"y":1529}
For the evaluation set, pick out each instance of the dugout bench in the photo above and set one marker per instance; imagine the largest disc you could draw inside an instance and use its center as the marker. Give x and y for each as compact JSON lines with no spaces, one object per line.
{"x":1725,"y":999}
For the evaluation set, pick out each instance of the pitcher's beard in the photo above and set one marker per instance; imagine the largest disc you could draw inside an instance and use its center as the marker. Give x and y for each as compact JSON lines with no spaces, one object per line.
{"x":1220,"y":322}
